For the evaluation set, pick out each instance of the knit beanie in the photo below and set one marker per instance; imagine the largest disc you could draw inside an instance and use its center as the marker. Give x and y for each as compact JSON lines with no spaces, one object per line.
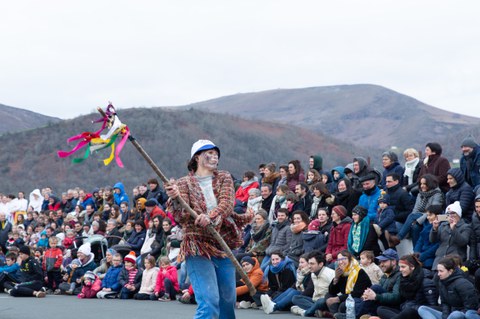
{"x":131,"y":257}
{"x":248,"y":259}
{"x":384,"y":198}
{"x":85,"y":249}
{"x":455,"y":208}
{"x":89,"y":275}
{"x":340,"y":210}
{"x":314,"y":225}
{"x":360,"y":211}
{"x":469,"y":141}
{"x":151,"y":202}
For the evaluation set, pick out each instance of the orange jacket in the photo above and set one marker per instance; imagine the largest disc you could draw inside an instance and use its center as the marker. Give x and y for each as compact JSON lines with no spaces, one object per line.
{"x":256,"y":277}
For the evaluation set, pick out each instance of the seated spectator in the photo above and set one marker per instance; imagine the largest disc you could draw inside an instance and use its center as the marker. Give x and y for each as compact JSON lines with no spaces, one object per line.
{"x":313,"y":238}
{"x":280,"y":275}
{"x":367,"y":262}
{"x":136,"y":239}
{"x":411,"y":290}
{"x":413,"y":165}
{"x":300,"y":224}
{"x":130,"y":278}
{"x":436,"y":165}
{"x":460,"y":191}
{"x":385,"y":220}
{"x":430,"y":194}
{"x":281,"y":236}
{"x":321,"y":198}
{"x":255,"y":200}
{"x":341,"y":224}
{"x":167,"y":285}
{"x":295,"y":174}
{"x":337,"y":175}
{"x":105,"y":264}
{"x":322,"y":277}
{"x":424,"y":247}
{"x":110,"y":284}
{"x":271,"y":177}
{"x":453,"y":236}
{"x":370,"y":195}
{"x":346,"y":195}
{"x":304,"y":202}
{"x":149,"y":280}
{"x":241,"y":195}
{"x":303,"y":286}
{"x":252,"y":268}
{"x":113,"y":234}
{"x":457,"y":294}
{"x":313,"y":177}
{"x":279,"y":201}
{"x":469,"y":162}
{"x":30,"y":280}
{"x":400,"y":200}
{"x":362,"y":235}
{"x":260,"y":239}
{"x":391,"y":165}
{"x":10,"y":272}
{"x":91,"y":286}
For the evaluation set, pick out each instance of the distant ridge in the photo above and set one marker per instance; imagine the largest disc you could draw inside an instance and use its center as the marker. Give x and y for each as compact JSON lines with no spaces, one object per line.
{"x":14,"y":119}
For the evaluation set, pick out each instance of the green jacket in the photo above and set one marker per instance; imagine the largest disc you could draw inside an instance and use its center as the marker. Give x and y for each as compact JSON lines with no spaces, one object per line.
{"x":391,"y":284}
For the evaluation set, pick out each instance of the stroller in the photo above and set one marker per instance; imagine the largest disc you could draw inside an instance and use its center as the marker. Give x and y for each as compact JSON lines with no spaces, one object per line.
{"x":97,"y":242}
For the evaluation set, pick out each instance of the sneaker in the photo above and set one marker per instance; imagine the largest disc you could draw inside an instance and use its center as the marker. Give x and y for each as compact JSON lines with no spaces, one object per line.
{"x":244,"y":304}
{"x":254,"y":306}
{"x":7,"y":291}
{"x":40,"y":294}
{"x":49,"y":292}
{"x":165,"y":297}
{"x":57,"y":292}
{"x":267,"y":304}
{"x":296,"y":310}
{"x":69,"y":292}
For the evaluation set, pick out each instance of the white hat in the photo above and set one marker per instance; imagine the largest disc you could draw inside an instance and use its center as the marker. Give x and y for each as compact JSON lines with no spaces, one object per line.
{"x":85,"y":249}
{"x":203,"y":145}
{"x":455,"y":208}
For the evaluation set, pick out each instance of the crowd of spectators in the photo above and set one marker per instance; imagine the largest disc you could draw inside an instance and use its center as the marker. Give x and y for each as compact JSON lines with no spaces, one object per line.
{"x":318,"y":237}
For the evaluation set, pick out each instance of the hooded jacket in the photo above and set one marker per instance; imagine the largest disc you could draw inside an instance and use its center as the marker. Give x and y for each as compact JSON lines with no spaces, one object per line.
{"x":171,"y":273}
{"x":122,"y":197}
{"x":149,"y":281}
{"x":111,"y":278}
{"x":461,"y":192}
{"x":337,"y":240}
{"x":281,"y":237}
{"x":470,"y":166}
{"x":456,"y":293}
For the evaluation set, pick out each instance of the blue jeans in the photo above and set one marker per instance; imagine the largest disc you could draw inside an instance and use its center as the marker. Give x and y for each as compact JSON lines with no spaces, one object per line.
{"x":213,"y":282}
{"x":265,"y":262}
{"x":309,"y":306}
{"x":469,"y":314}
{"x":413,"y":229}
{"x":429,"y":313}
{"x":183,"y":283}
{"x":284,"y":300}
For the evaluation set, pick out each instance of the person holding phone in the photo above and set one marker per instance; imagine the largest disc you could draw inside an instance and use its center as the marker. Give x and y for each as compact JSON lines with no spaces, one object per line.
{"x":453,"y":236}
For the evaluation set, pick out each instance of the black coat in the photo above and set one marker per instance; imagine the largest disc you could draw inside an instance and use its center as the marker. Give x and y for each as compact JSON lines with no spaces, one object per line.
{"x":457,"y":293}
{"x":401,"y":201}
{"x":363,"y":282}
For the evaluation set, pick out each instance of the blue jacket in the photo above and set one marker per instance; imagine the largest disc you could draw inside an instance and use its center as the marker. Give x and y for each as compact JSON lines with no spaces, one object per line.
{"x":386,"y":220}
{"x":470,"y":167}
{"x":111,"y":278}
{"x":425,"y":247}
{"x":122,"y":197}
{"x":13,"y":270}
{"x":370,"y":202}
{"x":136,"y":241}
{"x":394,"y":168}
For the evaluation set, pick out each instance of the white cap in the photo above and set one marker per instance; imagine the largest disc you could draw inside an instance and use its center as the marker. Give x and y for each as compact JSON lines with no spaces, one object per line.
{"x":203,"y":145}
{"x":85,"y":249}
{"x":455,"y":208}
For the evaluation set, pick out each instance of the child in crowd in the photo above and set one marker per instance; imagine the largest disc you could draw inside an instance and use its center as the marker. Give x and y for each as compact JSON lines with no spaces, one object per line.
{"x":167,"y":281}
{"x":130,"y":277}
{"x":149,"y":280}
{"x":91,"y":285}
{"x":69,"y":277}
{"x":367,"y":263}
{"x":52,"y":262}
{"x":385,"y":219}
{"x":110,"y":284}
{"x":10,"y":271}
{"x":69,"y":239}
{"x":43,"y":242}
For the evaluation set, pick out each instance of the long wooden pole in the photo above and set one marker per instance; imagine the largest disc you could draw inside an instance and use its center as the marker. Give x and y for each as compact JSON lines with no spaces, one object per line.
{"x":192,"y":213}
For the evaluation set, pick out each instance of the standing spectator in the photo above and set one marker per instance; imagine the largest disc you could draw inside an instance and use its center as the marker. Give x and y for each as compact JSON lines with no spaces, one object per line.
{"x":470,"y":161}
{"x":52,"y":262}
{"x":5,"y":229}
{"x":295,"y":174}
{"x":156,"y":192}
{"x":391,"y":165}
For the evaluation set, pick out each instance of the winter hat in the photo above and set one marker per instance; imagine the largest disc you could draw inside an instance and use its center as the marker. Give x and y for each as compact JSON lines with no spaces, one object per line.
{"x":85,"y":249}
{"x":391,"y":155}
{"x":131,"y":257}
{"x":151,"y":202}
{"x":111,"y":251}
{"x":248,"y":259}
{"x":203,"y":145}
{"x":89,"y":275}
{"x":340,"y":210}
{"x":25,"y":250}
{"x":367,"y":177}
{"x":360,"y":210}
{"x":435,"y":147}
{"x":314,"y":225}
{"x":384,"y":198}
{"x":263,"y":213}
{"x":455,"y":208}
{"x":76,"y":262}
{"x":469,"y":141}
{"x":141,"y":201}
{"x":349,"y":168}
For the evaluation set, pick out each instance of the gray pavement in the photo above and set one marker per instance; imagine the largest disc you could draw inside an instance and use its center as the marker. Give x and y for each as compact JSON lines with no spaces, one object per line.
{"x":69,"y":307}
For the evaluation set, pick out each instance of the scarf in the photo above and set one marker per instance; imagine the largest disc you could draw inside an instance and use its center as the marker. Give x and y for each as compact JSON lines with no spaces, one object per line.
{"x":298,"y":228}
{"x":409,"y":286}
{"x":352,"y":270}
{"x":258,"y":232}
{"x":287,"y":263}
{"x":358,"y":235}
{"x":301,"y":275}
{"x":410,"y":169}
{"x":316,"y":202}
{"x":423,"y":198}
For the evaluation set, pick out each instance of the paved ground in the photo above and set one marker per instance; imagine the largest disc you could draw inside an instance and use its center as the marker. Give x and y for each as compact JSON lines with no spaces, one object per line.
{"x":68,"y":307}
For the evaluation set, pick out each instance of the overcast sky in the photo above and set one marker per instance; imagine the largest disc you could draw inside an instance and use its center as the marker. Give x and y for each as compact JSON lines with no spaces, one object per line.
{"x":65,"y":58}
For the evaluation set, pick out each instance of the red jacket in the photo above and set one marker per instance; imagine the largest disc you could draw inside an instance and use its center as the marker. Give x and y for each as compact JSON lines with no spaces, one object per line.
{"x":338,"y":238}
{"x":171,"y":274}
{"x":52,"y":260}
{"x":155,"y":212}
{"x":91,"y":291}
{"x":242,"y":193}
